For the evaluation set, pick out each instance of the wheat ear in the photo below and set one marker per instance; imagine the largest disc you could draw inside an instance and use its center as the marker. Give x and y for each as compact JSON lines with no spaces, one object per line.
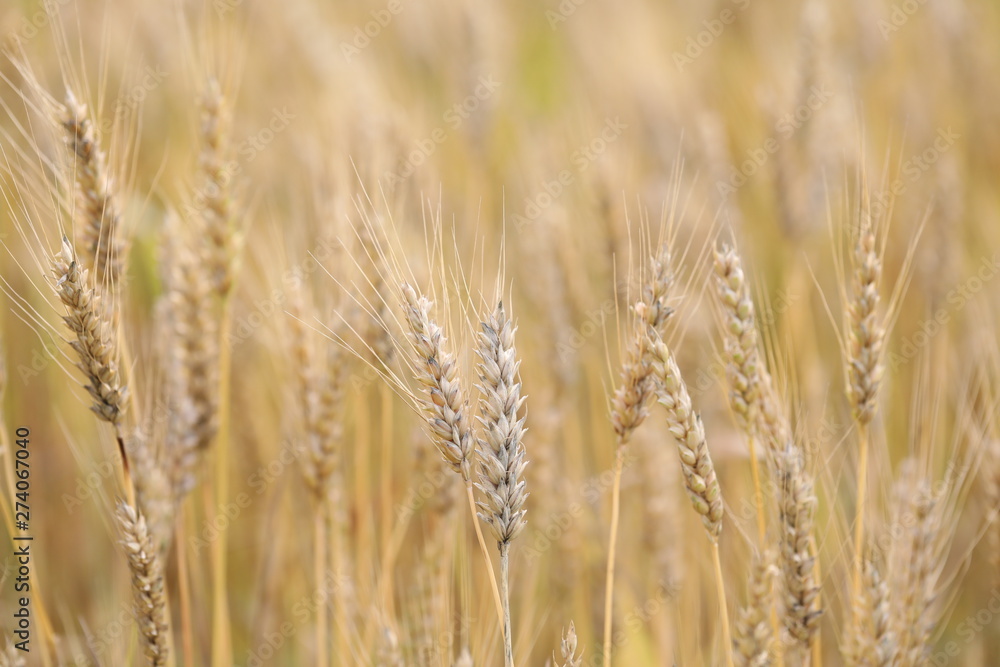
{"x":95,"y":345}
{"x":864,"y":367}
{"x":702,"y":486}
{"x":147,"y":584}
{"x":870,"y":642}
{"x":796,"y":505}
{"x":910,"y":624}
{"x":753,"y":637}
{"x":444,"y":405}
{"x":629,"y":406}
{"x":501,"y":451}
{"x":102,"y":249}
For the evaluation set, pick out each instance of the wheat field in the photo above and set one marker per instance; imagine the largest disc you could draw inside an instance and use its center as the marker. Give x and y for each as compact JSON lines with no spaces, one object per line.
{"x":463,"y":333}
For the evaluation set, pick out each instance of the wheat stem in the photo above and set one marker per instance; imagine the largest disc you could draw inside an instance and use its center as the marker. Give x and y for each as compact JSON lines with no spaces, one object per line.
{"x":508,"y":647}
{"x":609,"y":578}
{"x":222,"y":648}
{"x":486,"y":552}
{"x":319,"y":574}
{"x":184,"y":589}
{"x":727,"y":640}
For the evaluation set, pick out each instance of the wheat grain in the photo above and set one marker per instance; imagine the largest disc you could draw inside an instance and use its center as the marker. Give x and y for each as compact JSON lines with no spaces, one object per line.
{"x":567,"y":648}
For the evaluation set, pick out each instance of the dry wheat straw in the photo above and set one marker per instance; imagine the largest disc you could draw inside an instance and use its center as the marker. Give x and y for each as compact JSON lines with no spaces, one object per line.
{"x":464,"y":658}
{"x":796,"y":505}
{"x":501,"y":451}
{"x":99,"y":232}
{"x":870,"y":642}
{"x":753,"y":636}
{"x":147,"y":584}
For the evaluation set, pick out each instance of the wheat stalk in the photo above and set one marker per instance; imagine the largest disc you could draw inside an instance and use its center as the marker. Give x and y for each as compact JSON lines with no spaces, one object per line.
{"x":147,"y":584}
{"x":501,"y":451}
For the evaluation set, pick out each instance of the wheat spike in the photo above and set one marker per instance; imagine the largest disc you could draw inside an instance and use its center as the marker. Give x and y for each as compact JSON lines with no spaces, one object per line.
{"x":194,"y":367}
{"x":629,"y":404}
{"x":870,"y":643}
{"x":501,"y":451}
{"x":147,"y":584}
{"x":437,"y":371}
{"x":94,"y":342}
{"x":753,"y":637}
{"x":102,"y":250}
{"x":912,"y":620}
{"x":216,"y":210}
{"x":865,"y":329}
{"x":796,"y":504}
{"x":689,"y":433}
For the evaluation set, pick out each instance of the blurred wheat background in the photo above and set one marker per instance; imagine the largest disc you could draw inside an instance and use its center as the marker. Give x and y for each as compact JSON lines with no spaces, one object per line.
{"x":285,"y":223}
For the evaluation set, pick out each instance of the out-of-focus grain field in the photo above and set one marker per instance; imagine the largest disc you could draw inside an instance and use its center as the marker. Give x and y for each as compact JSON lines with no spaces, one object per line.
{"x":282,"y":280}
